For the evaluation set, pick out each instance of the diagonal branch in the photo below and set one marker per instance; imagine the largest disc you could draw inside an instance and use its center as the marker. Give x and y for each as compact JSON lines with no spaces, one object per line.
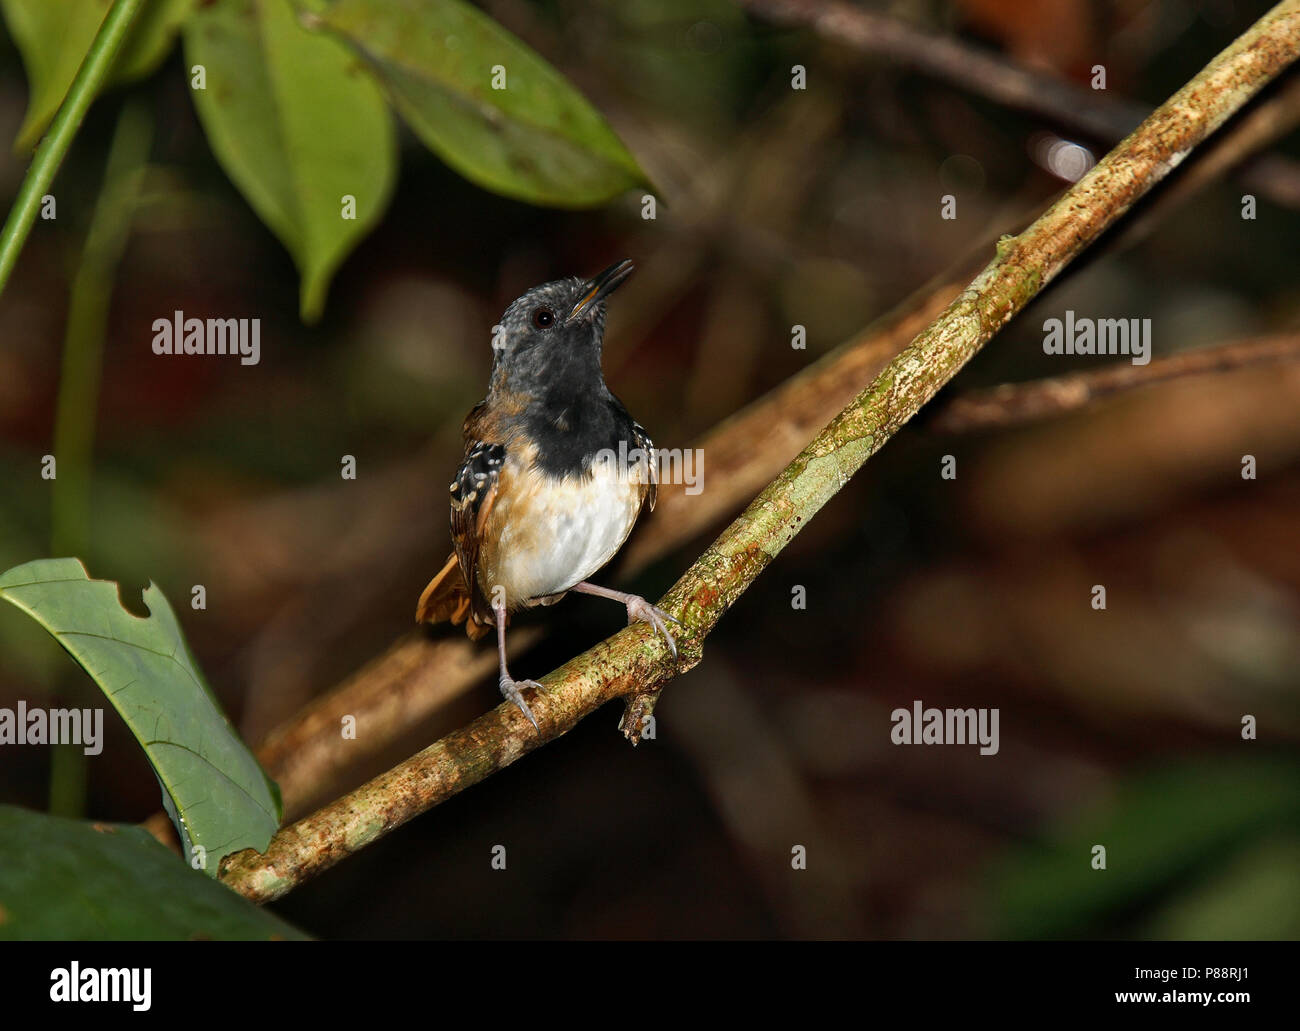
{"x":417,"y":675}
{"x":633,"y":664}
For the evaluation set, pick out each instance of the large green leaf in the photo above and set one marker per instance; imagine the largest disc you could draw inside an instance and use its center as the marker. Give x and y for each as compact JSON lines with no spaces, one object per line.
{"x":298,"y":124}
{"x":537,"y":139}
{"x":220,"y":799}
{"x":69,"y":880}
{"x":54,"y":35}
{"x":1160,"y":828}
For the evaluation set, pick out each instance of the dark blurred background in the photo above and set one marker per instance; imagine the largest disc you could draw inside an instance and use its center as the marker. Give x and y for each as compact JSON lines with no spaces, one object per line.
{"x":819,"y":207}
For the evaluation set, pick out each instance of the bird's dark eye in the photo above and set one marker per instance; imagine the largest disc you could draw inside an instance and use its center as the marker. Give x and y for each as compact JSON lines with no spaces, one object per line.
{"x":543,"y":318}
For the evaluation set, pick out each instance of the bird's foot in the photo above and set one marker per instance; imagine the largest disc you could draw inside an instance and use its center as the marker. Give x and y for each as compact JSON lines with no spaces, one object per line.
{"x":639,"y":608}
{"x":511,"y":690}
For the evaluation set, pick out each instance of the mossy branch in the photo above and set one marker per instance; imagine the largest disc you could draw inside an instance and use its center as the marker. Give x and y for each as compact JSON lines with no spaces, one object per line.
{"x":634,"y":665}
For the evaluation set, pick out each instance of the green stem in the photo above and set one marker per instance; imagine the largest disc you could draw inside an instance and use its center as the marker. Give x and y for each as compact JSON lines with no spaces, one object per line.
{"x":83,"y":340}
{"x":79,"y":379}
{"x":49,"y":155}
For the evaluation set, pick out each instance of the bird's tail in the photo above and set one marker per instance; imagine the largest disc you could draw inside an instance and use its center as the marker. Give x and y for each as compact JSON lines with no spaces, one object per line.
{"x":446,"y":599}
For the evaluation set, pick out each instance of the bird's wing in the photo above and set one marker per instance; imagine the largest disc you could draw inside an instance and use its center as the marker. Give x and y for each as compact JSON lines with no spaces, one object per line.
{"x":473,"y":493}
{"x":451,"y":594}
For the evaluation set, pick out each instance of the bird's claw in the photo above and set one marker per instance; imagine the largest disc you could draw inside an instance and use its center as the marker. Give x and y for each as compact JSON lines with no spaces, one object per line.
{"x":511,"y":690}
{"x":639,"y":608}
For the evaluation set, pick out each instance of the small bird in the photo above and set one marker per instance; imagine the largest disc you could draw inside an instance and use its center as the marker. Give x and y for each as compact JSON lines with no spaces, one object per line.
{"x":555,"y":473}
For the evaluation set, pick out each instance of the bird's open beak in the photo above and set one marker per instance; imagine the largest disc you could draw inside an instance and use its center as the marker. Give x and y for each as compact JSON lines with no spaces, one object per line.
{"x":601,"y":287}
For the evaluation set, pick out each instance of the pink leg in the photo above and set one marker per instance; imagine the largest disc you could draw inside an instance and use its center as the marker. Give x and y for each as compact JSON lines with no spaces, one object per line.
{"x":637,"y":608}
{"x":510,"y":687}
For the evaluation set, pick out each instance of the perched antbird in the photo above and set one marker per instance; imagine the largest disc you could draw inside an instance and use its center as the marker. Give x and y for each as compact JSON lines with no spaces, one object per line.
{"x":554,"y":477}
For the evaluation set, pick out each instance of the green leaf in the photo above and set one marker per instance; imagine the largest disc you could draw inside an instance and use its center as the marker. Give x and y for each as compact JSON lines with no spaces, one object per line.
{"x":1161,"y":827}
{"x":298,"y":125}
{"x":537,"y":139}
{"x":54,"y":35}
{"x":210,"y":779}
{"x":70,"y":880}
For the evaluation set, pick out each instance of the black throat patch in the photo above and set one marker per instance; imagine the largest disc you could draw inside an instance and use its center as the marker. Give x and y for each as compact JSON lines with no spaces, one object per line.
{"x":570,"y":430}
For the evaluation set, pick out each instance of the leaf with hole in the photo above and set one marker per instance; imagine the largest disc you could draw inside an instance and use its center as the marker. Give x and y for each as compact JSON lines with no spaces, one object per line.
{"x":222,"y":800}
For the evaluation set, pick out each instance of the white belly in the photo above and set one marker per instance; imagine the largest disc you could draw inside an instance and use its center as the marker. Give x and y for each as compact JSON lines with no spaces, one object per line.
{"x":565,"y":533}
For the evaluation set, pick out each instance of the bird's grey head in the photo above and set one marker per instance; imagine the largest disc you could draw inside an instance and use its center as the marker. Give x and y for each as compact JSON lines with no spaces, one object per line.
{"x":551,"y":336}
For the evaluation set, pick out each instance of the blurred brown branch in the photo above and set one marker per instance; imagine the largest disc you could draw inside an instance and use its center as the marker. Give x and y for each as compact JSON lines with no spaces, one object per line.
{"x":1013,"y":404}
{"x":633,"y":665}
{"x":386,"y":696}
{"x":952,"y":60}
{"x":1154,"y":450}
{"x":1101,"y":115}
